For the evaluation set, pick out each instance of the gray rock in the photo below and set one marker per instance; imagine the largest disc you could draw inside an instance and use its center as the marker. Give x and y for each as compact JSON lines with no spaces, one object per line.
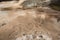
{"x":35,"y":3}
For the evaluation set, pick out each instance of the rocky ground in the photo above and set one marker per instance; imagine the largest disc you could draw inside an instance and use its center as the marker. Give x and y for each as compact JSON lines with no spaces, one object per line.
{"x":28,"y":24}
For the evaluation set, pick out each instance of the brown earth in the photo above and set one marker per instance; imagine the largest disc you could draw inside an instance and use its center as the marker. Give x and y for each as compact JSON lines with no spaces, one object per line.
{"x":15,"y":23}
